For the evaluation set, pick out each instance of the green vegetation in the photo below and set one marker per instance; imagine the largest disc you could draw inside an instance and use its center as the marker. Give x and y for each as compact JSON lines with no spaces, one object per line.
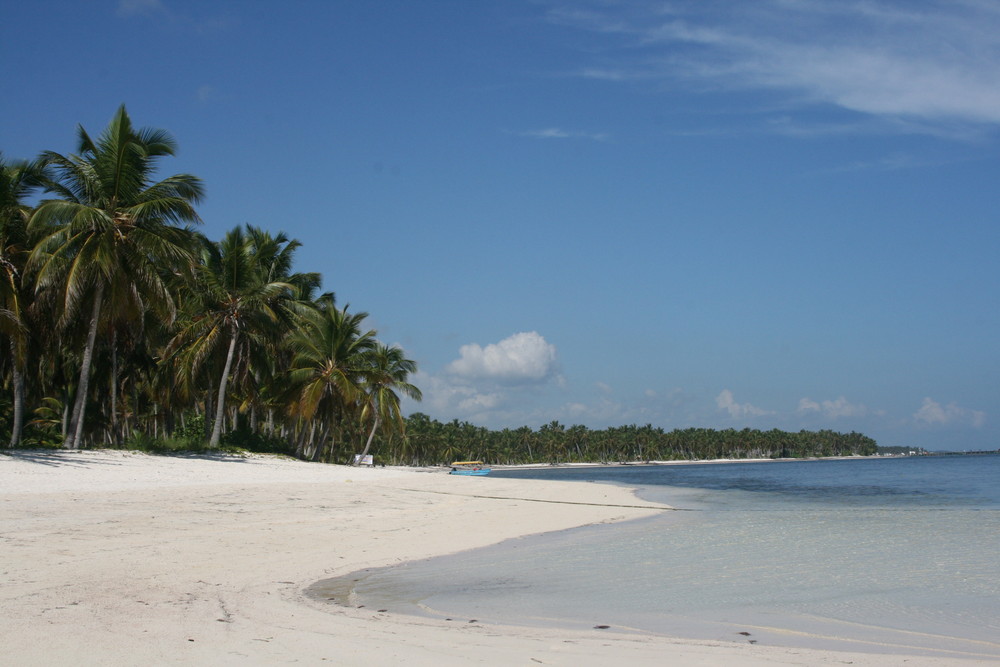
{"x":122,"y":326}
{"x":430,"y":442}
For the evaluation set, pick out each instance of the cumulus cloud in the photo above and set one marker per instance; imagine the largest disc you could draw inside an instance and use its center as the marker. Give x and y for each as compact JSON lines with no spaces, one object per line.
{"x":727,"y":402}
{"x":480,"y":384}
{"x":840,"y":407}
{"x":932,"y":413}
{"x":522,"y":358}
{"x":939,"y":61}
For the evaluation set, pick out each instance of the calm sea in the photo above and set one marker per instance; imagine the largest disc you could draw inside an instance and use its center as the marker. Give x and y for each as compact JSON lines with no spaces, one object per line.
{"x":882,"y":555}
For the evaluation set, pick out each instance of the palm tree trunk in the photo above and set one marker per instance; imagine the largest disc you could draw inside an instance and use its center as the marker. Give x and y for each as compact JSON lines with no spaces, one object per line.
{"x":368,"y":445}
{"x":114,"y":388}
{"x":300,"y":439}
{"x":80,"y":405}
{"x":220,"y":413}
{"x":15,"y":436}
{"x":316,"y":447}
{"x":64,"y":425}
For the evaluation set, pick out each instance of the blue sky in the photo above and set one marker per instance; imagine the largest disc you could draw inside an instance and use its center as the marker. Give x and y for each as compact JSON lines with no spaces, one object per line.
{"x":778,"y":214}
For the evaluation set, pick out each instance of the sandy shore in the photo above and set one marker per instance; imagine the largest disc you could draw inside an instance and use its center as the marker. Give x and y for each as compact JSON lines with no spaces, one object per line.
{"x":112,"y":558}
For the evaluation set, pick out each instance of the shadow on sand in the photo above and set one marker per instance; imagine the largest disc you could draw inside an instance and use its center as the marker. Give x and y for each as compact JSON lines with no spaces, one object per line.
{"x":80,"y":458}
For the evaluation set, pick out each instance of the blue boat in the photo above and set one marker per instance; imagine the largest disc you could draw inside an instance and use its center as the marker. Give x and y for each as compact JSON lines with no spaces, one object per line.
{"x":469,"y":468}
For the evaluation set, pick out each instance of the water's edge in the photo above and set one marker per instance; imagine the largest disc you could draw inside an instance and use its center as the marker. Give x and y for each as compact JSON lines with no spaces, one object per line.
{"x":462,"y":587}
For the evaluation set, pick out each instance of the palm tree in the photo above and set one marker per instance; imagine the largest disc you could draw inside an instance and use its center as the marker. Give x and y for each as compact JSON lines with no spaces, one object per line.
{"x":244,"y":297}
{"x":109,"y":230}
{"x":329,"y":363}
{"x":388,"y":373}
{"x":17,"y":180}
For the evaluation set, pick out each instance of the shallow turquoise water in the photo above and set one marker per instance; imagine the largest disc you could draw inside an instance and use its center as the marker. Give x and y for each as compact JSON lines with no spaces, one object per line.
{"x":876,"y":555}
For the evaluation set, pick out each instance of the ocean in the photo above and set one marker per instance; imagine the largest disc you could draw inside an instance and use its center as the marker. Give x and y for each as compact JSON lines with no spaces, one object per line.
{"x":889,"y":555}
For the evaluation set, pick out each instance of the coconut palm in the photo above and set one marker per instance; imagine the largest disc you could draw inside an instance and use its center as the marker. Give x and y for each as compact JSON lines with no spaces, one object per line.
{"x":17,"y":180}
{"x":329,"y":362}
{"x":243,"y":298}
{"x":108,"y":232}
{"x":388,"y":373}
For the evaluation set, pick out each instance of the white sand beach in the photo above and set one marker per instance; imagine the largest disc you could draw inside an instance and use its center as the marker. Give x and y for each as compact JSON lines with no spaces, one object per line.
{"x":117,"y":558}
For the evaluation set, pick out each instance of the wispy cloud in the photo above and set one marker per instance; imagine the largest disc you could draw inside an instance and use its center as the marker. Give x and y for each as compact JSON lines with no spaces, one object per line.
{"x":184,"y":19}
{"x":726,"y":401}
{"x":932,"y":413}
{"x":207,"y":93}
{"x":934,"y":61}
{"x":839,"y":407}
{"x":559,"y":133}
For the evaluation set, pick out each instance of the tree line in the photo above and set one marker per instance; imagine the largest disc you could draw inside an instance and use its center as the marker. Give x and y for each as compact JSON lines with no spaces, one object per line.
{"x":121,"y":324}
{"x":431,"y":442}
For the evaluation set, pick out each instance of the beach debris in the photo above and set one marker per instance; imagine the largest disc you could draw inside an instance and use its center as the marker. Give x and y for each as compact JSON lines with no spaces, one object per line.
{"x":382,"y":611}
{"x":601,"y":627}
{"x":473,"y":621}
{"x":745,"y":634}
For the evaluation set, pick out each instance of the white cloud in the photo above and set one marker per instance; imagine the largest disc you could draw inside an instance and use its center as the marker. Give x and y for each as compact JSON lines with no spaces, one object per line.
{"x":444,"y":395}
{"x":477,"y":402}
{"x":522,"y":358}
{"x":479,"y":385}
{"x":725,"y":401}
{"x":838,"y":408}
{"x":933,"y":413}
{"x":939,"y":61}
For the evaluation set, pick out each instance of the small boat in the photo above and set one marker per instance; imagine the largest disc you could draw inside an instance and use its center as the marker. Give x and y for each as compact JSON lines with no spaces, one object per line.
{"x":469,"y":468}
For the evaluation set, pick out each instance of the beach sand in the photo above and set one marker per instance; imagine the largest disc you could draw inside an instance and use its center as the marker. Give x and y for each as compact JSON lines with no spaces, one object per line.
{"x":118,"y":558}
